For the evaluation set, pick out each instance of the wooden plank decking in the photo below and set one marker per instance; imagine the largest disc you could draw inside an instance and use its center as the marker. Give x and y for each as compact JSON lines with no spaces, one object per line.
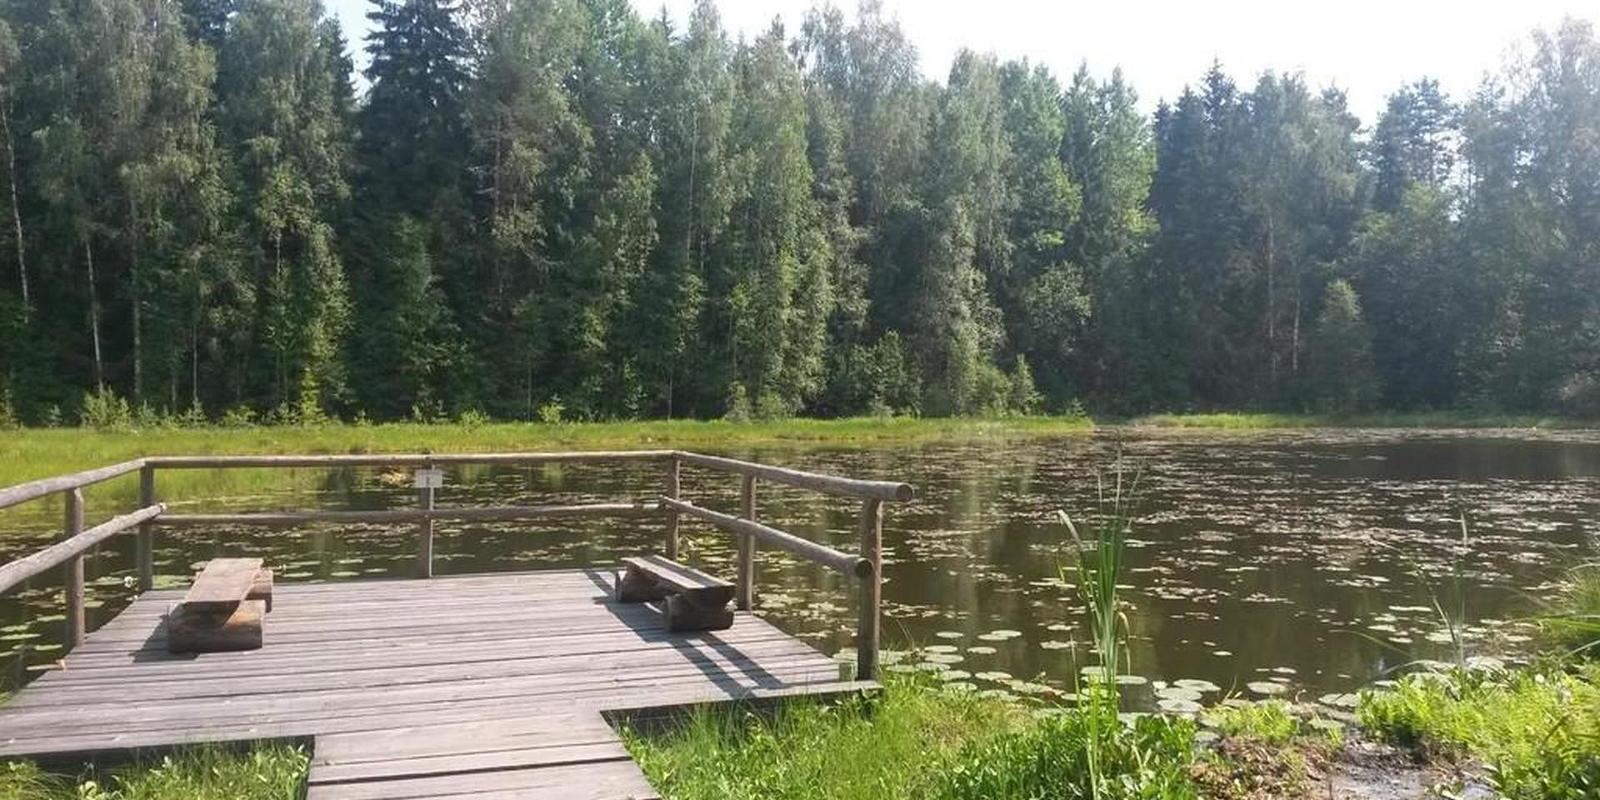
{"x":482,"y":686}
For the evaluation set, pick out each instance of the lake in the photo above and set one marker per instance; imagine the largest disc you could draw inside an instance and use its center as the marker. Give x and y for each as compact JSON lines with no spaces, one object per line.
{"x":1309,"y":559}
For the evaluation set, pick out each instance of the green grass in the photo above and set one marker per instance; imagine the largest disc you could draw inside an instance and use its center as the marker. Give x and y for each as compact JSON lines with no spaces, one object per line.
{"x":1432,"y":419}
{"x":1269,"y":721}
{"x":889,"y":747}
{"x":914,"y":741}
{"x":1535,"y":731}
{"x":1572,"y":622}
{"x":266,"y":772}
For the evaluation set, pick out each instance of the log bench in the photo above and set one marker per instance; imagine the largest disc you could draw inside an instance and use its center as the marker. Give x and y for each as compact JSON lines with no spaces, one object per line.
{"x":223,"y":609}
{"x":694,"y":601}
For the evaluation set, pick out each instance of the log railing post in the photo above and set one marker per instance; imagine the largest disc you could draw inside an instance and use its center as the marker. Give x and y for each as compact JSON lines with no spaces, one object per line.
{"x":74,"y":572}
{"x":145,"y":550}
{"x":674,"y":486}
{"x":425,"y":527}
{"x":744,"y":597}
{"x":871,"y":590}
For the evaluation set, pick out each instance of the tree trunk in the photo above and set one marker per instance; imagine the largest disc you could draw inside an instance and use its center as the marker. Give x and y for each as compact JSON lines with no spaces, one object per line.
{"x":194,"y":365}
{"x":138,"y":300}
{"x":16,"y":211}
{"x":94,"y":313}
{"x":1272,"y":301}
{"x":1294,"y":353}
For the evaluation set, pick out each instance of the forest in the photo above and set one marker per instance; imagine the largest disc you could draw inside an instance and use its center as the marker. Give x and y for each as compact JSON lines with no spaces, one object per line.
{"x":564,"y":209}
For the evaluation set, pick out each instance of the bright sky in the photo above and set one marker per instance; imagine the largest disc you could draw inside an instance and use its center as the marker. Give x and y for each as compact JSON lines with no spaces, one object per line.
{"x":1367,"y":47}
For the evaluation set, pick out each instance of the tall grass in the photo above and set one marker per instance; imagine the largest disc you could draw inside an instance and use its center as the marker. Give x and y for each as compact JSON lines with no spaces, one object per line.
{"x":1572,"y":620}
{"x":1431,"y":419}
{"x":893,"y":747}
{"x":266,"y":772}
{"x":1099,"y":569}
{"x":917,"y":741}
{"x":38,"y":453}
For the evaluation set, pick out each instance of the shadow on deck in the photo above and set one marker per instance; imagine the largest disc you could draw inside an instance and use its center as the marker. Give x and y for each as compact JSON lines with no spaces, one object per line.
{"x":481,"y":685}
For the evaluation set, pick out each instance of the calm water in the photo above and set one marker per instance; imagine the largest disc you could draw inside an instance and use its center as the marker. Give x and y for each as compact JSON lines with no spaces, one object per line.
{"x":1295,"y":557}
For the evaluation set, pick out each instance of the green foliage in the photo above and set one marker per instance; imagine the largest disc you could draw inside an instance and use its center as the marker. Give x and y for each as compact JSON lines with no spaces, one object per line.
{"x":552,"y":412}
{"x":1536,"y":731}
{"x":1099,"y":566}
{"x":544,"y":199}
{"x":8,"y":412}
{"x":1269,"y":722}
{"x":105,"y":410}
{"x":917,"y":741}
{"x":1087,"y":753}
{"x":890,"y":747}
{"x":265,"y":772}
{"x":1572,"y":620}
{"x":1342,"y":376}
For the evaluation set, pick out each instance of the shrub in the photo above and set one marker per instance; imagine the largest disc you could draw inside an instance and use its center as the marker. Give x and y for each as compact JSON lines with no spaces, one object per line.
{"x":195,"y":417}
{"x":8,"y":413}
{"x":1025,"y":397}
{"x":472,"y":419}
{"x":104,"y":410}
{"x":240,"y":416}
{"x":738,"y":405}
{"x":551,"y":412}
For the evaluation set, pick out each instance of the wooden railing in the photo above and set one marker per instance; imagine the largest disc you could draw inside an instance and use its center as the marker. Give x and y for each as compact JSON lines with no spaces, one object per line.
{"x":865,"y":566}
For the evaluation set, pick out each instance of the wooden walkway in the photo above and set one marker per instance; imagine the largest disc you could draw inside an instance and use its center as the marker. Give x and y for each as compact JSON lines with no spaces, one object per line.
{"x":493,"y":686}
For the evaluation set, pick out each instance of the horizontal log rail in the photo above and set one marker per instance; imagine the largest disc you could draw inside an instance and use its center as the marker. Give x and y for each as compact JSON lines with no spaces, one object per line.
{"x":61,"y":552}
{"x":406,"y":459}
{"x":33,"y":490}
{"x":846,"y":563}
{"x":491,"y":513}
{"x":827,"y":484}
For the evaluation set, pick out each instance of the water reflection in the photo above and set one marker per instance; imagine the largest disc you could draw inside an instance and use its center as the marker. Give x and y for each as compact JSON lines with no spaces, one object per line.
{"x":1289,"y":557}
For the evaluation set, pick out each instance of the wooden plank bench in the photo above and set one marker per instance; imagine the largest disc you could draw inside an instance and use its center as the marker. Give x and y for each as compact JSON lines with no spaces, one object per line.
{"x":694,"y":601}
{"x":223,"y":610}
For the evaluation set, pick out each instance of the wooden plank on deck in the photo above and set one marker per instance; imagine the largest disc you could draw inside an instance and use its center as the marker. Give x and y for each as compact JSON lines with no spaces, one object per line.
{"x":494,"y":686}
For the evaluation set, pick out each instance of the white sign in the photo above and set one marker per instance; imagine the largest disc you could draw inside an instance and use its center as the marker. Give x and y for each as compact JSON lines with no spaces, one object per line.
{"x":429,"y":479}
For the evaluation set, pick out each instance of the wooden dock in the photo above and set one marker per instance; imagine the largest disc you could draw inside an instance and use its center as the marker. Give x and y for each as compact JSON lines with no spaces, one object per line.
{"x":492,"y":686}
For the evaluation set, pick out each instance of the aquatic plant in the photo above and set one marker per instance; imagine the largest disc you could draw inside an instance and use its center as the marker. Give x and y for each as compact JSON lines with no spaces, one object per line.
{"x":1454,"y":618}
{"x":1099,"y":570}
{"x":1448,"y":601}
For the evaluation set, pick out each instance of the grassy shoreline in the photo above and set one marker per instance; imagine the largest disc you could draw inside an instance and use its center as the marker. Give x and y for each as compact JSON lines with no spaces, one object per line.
{"x":31,"y":453}
{"x":1442,"y":420}
{"x":40,"y":452}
